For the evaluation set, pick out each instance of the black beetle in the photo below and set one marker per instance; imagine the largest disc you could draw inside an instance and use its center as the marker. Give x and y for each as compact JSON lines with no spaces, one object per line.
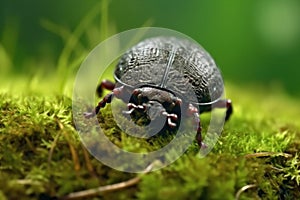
{"x":162,"y":75}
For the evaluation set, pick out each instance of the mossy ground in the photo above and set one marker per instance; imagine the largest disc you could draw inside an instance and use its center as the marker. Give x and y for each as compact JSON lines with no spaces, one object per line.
{"x":42,"y":157}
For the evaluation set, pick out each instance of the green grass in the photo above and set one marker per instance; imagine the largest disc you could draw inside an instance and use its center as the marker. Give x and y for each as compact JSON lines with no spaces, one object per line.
{"x":41,"y":154}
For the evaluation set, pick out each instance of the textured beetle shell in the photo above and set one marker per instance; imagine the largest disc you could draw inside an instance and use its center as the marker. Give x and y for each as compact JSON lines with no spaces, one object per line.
{"x":177,"y":65}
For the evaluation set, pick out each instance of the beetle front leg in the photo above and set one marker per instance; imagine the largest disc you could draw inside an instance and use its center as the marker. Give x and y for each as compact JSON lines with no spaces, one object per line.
{"x":132,"y":107}
{"x":107,"y":99}
{"x":105,"y":84}
{"x":170,"y":118}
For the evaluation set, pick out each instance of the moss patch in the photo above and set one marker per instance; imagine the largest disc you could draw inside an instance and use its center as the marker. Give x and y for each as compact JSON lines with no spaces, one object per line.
{"x":257,"y":156}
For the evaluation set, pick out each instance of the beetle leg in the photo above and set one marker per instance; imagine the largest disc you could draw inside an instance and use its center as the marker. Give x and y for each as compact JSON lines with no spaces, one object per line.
{"x":129,"y":111}
{"x":105,"y":84}
{"x":171,"y":117}
{"x":193,"y":111}
{"x":224,"y":103}
{"x":133,"y":107}
{"x":229,"y":109}
{"x":107,"y":99}
{"x":199,"y":129}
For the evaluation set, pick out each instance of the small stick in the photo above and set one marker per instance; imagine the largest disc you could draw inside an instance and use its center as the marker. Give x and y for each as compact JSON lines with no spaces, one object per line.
{"x":107,"y":188}
{"x":266,"y":154}
{"x":95,"y":191}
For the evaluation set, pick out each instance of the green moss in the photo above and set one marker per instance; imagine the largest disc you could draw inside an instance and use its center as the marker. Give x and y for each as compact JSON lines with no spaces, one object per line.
{"x":41,"y":154}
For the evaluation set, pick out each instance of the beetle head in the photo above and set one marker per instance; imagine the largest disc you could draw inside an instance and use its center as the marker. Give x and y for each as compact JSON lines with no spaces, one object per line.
{"x":148,"y":104}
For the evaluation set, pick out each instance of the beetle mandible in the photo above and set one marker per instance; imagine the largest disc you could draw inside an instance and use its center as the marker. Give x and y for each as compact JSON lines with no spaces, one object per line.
{"x":162,"y":75}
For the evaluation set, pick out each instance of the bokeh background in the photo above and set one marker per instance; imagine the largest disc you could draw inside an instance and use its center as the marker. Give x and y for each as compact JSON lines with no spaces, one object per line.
{"x":253,"y":41}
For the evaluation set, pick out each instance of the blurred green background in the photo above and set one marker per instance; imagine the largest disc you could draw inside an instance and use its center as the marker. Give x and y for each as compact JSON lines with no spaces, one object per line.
{"x":252,"y":41}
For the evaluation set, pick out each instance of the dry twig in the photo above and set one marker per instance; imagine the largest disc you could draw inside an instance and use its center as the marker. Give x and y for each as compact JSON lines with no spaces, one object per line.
{"x":107,"y":188}
{"x":266,"y":154}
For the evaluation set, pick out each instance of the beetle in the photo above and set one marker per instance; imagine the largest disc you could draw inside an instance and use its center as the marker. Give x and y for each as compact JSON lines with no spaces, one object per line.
{"x":164,"y":76}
